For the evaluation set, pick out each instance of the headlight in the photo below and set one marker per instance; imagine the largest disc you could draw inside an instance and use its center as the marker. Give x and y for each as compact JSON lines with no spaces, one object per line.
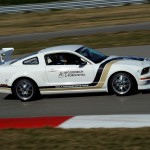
{"x":145,"y":71}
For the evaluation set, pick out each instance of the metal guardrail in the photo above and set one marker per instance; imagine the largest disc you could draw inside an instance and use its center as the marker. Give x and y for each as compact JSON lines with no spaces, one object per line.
{"x":75,"y":4}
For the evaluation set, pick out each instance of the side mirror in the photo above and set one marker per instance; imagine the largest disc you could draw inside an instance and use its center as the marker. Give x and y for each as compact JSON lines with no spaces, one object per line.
{"x":83,"y":63}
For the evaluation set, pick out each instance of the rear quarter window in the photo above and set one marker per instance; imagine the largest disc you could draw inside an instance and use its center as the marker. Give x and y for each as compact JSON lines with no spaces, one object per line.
{"x":31,"y":61}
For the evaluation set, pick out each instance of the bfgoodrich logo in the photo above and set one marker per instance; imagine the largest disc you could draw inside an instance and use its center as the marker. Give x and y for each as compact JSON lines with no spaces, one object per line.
{"x":66,"y":74}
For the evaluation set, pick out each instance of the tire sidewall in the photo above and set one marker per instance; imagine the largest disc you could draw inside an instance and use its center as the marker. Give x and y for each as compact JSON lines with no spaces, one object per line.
{"x":130,"y":91}
{"x":35,"y":89}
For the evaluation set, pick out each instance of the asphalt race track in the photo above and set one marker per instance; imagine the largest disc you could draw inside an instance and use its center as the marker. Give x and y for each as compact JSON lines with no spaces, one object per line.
{"x":76,"y":32}
{"x":82,"y":104}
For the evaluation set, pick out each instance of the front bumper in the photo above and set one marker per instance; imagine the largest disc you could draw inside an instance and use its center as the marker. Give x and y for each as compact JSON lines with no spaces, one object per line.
{"x":144,"y":84}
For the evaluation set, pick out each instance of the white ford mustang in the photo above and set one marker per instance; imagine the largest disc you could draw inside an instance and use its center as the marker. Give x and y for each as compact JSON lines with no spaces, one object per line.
{"x":71,"y":69}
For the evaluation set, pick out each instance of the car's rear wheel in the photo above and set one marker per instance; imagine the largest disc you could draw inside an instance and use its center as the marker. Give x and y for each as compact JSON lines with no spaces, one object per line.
{"x":25,"y":90}
{"x":121,"y":84}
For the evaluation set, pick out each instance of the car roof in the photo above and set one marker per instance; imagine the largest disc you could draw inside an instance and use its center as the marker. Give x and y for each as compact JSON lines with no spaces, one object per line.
{"x":60,"y":48}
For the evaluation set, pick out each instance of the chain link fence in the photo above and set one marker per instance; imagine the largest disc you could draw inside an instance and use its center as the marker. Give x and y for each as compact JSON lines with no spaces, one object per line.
{"x":75,"y":4}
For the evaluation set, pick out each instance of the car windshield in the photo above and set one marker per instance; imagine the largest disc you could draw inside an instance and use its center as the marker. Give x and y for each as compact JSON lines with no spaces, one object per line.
{"x":91,"y":54}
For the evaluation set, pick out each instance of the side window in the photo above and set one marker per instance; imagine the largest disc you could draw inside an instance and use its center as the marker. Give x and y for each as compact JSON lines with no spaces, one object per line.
{"x":62,"y":59}
{"x":31,"y":61}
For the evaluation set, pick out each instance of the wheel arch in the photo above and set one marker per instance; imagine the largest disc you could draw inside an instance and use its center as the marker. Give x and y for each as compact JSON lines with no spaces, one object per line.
{"x":134,"y":79}
{"x":24,"y":77}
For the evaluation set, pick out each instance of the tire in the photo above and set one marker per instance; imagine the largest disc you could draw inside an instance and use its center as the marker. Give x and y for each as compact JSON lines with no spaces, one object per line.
{"x":121,"y":84}
{"x":25,"y":90}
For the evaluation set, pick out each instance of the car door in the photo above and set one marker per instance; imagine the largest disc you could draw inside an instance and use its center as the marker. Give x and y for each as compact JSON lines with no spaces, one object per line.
{"x":68,"y":69}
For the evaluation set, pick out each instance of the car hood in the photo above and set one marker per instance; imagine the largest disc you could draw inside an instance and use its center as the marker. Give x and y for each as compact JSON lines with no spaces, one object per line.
{"x":130,"y":60}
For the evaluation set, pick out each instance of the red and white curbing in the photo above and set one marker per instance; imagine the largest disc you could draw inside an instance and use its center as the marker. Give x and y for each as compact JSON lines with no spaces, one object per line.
{"x":66,"y":122}
{"x":33,"y":122}
{"x":107,"y":121}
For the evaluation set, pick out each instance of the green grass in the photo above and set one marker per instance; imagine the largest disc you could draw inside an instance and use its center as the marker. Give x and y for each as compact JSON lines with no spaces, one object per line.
{"x":95,"y":41}
{"x":75,"y":139}
{"x":11,"y":24}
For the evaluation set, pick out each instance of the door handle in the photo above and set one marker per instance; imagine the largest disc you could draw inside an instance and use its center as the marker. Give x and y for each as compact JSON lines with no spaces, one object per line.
{"x":52,"y":70}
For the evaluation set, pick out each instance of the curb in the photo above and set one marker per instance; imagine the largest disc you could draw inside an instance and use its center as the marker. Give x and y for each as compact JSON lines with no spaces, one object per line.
{"x":33,"y":122}
{"x":66,"y":122}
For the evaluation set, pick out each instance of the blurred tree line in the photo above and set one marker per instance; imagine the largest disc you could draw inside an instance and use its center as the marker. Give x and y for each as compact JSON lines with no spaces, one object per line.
{"x":17,"y":2}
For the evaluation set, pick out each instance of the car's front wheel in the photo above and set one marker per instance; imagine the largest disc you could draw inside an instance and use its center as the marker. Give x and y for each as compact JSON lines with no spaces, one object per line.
{"x":121,"y":84}
{"x":25,"y":90}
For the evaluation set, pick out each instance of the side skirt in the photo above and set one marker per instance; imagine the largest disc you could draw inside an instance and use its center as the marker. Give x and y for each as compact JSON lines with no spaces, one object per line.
{"x":70,"y":91}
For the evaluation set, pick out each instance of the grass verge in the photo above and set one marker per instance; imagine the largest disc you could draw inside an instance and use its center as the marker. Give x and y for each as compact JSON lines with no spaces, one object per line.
{"x":95,"y":41}
{"x":48,"y":21}
{"x":75,"y":139}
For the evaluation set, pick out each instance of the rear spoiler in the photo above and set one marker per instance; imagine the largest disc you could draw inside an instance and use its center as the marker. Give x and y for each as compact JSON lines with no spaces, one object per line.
{"x":5,"y":54}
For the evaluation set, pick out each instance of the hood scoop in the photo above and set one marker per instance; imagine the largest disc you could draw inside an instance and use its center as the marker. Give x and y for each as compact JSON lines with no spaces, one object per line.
{"x":128,"y":58}
{"x":134,"y":58}
{"x":147,"y":59}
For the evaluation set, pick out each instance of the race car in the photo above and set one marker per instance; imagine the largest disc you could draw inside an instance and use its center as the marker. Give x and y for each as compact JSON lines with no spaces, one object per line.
{"x":71,"y":69}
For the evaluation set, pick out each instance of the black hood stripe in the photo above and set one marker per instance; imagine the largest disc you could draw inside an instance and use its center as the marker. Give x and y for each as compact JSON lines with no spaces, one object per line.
{"x":102,"y":66}
{"x":100,"y":70}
